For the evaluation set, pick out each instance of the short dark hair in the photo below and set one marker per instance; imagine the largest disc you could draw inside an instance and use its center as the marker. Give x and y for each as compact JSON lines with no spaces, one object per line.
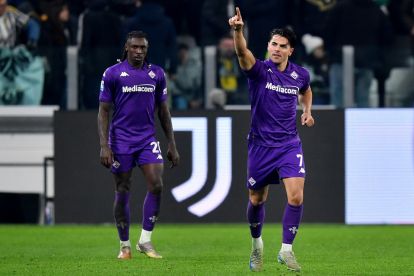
{"x":132,"y":34}
{"x":287,"y":33}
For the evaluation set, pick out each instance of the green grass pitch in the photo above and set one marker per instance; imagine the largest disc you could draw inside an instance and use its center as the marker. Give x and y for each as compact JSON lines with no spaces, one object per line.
{"x":205,"y":249}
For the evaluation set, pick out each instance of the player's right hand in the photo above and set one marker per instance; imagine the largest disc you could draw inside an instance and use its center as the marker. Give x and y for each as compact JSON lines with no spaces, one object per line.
{"x":236,"y":22}
{"x":107,"y":156}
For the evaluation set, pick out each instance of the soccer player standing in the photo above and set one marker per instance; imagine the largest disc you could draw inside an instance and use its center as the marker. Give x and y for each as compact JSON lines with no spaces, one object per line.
{"x":274,"y":147}
{"x":135,"y":89}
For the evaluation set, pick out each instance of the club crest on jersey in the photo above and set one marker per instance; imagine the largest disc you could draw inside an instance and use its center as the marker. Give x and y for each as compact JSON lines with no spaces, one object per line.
{"x":151,"y":74}
{"x":294,"y":75}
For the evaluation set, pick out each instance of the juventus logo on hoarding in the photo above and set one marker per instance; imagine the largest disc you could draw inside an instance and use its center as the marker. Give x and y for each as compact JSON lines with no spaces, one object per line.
{"x":198,"y":178}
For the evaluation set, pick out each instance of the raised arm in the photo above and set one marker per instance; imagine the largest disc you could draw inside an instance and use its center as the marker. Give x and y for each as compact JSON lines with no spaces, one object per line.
{"x":245,"y":56}
{"x":165,"y":120}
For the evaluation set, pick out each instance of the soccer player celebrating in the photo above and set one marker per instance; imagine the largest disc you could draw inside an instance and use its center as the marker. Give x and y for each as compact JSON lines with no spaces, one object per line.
{"x":135,"y":89}
{"x":274,"y":147}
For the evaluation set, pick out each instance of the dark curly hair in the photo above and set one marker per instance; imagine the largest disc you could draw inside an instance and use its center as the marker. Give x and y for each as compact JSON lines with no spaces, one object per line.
{"x":133,"y":34}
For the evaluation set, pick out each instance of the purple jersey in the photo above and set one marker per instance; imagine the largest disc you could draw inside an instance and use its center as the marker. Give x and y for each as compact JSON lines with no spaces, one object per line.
{"x":135,"y":94}
{"x":274,"y":96}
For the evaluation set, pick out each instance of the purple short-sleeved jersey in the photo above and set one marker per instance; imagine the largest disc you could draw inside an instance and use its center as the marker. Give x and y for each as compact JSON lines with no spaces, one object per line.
{"x":274,"y":96}
{"x":135,"y":94}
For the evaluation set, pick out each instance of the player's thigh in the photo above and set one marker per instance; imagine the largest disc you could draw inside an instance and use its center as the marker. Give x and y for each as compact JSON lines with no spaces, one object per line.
{"x":122,"y":170}
{"x":151,"y":162}
{"x":122,"y":163}
{"x":153,"y":176}
{"x":153,"y":172}
{"x":150,"y":154}
{"x":294,"y":189}
{"x":123,"y":181}
{"x":261,"y":167}
{"x":291,"y":162}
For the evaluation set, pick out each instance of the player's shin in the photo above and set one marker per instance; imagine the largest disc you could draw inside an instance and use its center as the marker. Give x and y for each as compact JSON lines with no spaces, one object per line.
{"x":150,"y":213}
{"x":149,"y":217}
{"x":255,"y":216}
{"x":291,"y":220}
{"x":122,"y":215}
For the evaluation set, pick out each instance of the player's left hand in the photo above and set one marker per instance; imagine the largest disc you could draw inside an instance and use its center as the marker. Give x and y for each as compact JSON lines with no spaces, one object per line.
{"x":307,"y":119}
{"x":173,"y":156}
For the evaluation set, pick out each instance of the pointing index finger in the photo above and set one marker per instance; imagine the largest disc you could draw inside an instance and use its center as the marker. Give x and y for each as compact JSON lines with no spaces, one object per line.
{"x":238,"y":13}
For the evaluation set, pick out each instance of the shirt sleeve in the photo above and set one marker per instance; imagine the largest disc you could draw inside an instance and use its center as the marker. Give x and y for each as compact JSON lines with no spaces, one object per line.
{"x":306,"y":82}
{"x":256,"y":71}
{"x":161,"y":92}
{"x":106,"y":88}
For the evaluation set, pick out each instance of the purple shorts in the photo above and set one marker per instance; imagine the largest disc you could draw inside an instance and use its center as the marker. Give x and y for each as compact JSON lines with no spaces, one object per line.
{"x":266,"y":165}
{"x":150,"y":154}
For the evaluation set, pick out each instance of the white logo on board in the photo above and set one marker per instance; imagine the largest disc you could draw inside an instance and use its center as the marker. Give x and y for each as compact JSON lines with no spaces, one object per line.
{"x":198,"y":178}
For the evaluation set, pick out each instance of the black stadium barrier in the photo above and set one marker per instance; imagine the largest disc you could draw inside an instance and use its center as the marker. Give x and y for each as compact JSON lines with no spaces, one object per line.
{"x":210,"y":183}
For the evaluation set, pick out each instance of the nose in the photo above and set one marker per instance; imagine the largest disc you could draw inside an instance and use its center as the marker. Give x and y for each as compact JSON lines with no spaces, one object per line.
{"x":139,"y":50}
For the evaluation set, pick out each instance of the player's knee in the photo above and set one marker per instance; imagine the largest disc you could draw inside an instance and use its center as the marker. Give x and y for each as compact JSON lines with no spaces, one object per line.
{"x":123,"y":186}
{"x":156,"y":187}
{"x":122,"y":189}
{"x":122,"y":182}
{"x":255,"y":201}
{"x":296,"y":199}
{"x":257,"y":198}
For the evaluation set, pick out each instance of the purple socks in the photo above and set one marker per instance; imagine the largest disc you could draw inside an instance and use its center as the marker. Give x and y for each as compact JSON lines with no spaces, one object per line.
{"x":255,"y":216}
{"x":150,"y":211}
{"x":121,"y":214}
{"x":291,"y":220}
